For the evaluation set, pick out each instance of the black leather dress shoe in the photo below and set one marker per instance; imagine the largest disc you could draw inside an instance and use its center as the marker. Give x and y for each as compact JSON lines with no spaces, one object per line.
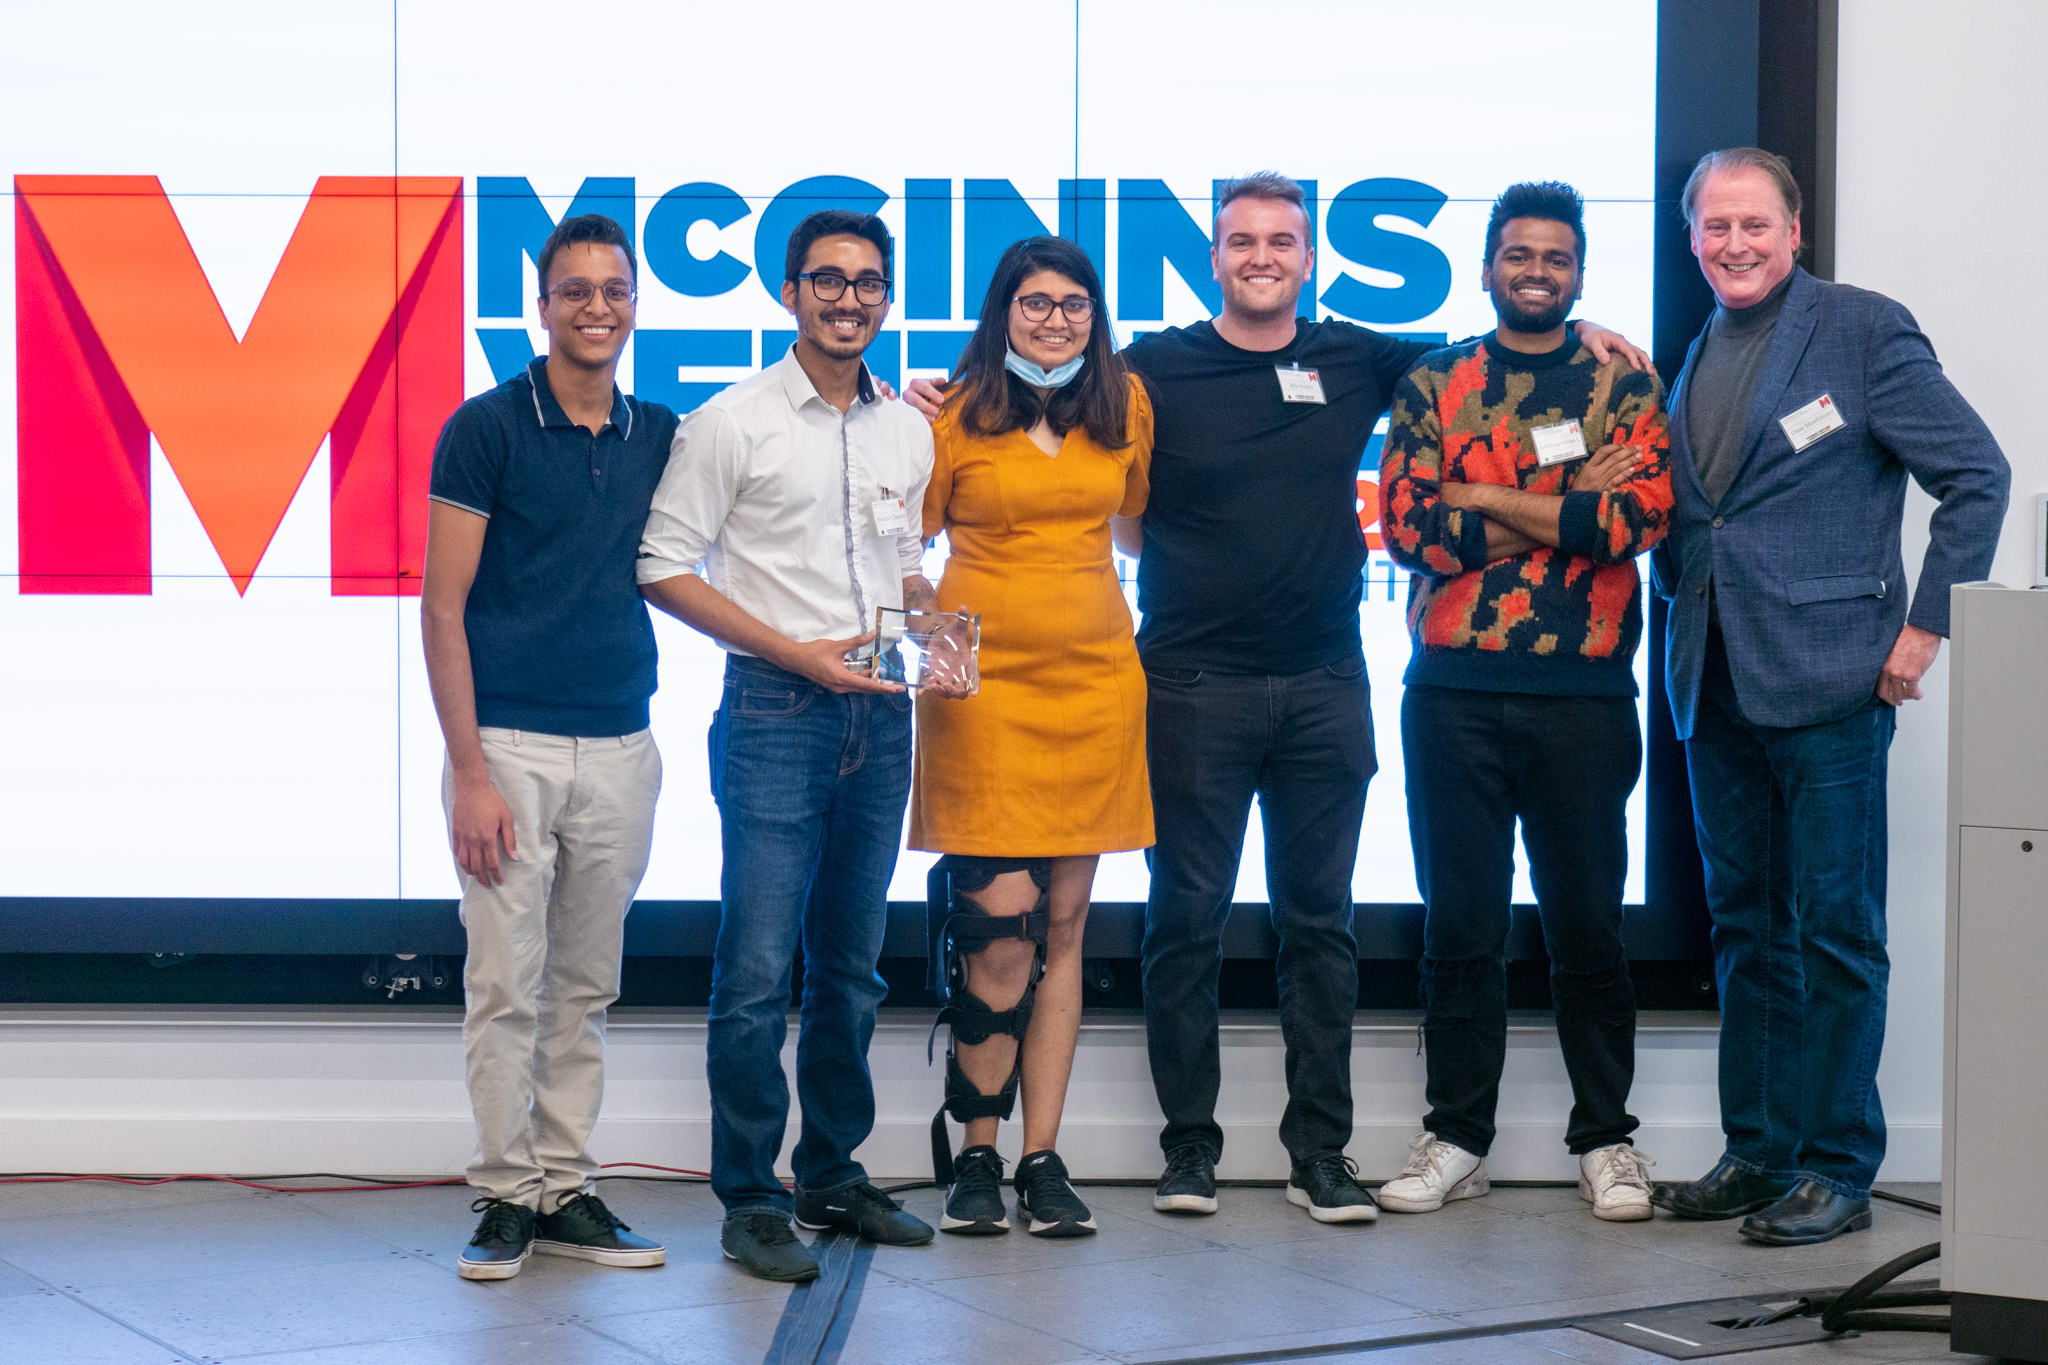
{"x":1727,"y":1191}
{"x":1811,"y":1213}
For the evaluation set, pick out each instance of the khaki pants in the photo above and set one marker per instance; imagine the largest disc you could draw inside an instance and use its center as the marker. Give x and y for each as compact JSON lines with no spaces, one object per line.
{"x":544,"y":952}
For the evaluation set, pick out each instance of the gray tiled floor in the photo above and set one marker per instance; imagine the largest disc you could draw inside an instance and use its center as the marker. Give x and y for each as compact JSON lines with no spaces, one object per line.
{"x":95,"y":1274}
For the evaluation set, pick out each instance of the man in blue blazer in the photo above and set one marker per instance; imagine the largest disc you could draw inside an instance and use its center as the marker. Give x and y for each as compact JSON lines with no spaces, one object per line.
{"x":1802,"y":408}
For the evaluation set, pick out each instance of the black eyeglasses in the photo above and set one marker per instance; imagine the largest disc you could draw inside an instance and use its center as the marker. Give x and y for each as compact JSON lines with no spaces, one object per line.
{"x":576,"y":293}
{"x":831,"y":287}
{"x":1038,"y":307}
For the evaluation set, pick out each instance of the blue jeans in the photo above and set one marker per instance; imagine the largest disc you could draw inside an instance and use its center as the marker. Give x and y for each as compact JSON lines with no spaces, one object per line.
{"x":1792,"y":826}
{"x":810,"y":786}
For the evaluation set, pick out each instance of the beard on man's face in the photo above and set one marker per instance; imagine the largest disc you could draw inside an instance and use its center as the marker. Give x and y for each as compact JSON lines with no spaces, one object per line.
{"x":1519,"y":317}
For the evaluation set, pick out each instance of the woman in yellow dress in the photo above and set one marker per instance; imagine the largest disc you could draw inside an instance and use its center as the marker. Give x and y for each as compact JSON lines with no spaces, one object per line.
{"x":1043,"y":438}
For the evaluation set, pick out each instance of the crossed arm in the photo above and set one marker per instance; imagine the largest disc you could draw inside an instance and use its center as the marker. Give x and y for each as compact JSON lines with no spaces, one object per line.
{"x":1517,"y":522}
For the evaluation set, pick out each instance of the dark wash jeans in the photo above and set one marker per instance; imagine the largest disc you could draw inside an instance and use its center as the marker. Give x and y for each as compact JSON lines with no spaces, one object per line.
{"x":1792,"y":825}
{"x":1303,"y":744}
{"x":1477,"y":762}
{"x":810,"y":786}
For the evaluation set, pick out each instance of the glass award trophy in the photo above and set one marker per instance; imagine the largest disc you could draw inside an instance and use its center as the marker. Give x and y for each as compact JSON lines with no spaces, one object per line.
{"x":938,"y":650}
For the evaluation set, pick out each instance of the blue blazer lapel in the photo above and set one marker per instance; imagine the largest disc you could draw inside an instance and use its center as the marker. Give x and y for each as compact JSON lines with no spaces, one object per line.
{"x":1682,"y":463}
{"x":1788,"y":344}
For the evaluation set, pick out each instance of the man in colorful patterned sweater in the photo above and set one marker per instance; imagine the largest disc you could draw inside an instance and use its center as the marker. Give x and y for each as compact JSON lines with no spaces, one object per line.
{"x":1520,"y":480}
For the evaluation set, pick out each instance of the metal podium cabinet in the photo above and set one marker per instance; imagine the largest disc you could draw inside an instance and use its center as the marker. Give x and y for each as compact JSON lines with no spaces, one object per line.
{"x":1994,"y":1150}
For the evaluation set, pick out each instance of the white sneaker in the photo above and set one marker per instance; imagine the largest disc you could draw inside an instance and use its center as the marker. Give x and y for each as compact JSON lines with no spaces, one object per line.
{"x":1616,"y":1182}
{"x":1437,"y":1173}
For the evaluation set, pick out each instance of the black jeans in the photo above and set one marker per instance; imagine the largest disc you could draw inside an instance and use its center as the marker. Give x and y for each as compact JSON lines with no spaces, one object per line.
{"x":1302,"y":743}
{"x":1563,"y":766}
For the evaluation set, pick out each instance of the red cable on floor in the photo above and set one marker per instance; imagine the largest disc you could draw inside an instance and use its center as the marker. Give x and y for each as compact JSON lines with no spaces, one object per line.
{"x":368,"y":1182}
{"x":58,"y":1178}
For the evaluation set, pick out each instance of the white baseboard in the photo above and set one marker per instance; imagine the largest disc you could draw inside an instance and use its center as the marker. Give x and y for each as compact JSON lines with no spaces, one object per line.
{"x":227,"y":1091}
{"x":900,"y":1149}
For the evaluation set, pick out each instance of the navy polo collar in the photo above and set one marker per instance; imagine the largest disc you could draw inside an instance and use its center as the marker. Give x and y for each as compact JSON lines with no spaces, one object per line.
{"x":550,"y":413}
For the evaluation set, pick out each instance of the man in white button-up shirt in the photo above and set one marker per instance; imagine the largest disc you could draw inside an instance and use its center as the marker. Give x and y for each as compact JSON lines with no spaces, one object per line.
{"x":799,"y":492}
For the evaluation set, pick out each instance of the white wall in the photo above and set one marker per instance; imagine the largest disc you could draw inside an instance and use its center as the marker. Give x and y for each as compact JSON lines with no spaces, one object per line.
{"x":1940,"y":205}
{"x":211,"y":1089}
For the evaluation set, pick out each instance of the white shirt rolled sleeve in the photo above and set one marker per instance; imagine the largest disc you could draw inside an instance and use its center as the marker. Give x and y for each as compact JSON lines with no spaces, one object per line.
{"x":771,"y":490}
{"x":694,"y":497}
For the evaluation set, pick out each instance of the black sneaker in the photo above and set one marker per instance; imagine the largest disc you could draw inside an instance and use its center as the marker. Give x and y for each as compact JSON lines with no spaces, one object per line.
{"x":974,"y":1206}
{"x":1045,"y":1196}
{"x":1328,"y":1188}
{"x":1189,"y":1184}
{"x":584,"y":1228}
{"x":501,"y":1243}
{"x":763,"y":1244}
{"x":865,"y":1211}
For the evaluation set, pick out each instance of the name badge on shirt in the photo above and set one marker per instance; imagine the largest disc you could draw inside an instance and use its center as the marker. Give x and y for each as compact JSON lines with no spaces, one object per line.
{"x":892,"y":518}
{"x":1558,"y":443}
{"x":1298,"y":385}
{"x":1810,"y":423}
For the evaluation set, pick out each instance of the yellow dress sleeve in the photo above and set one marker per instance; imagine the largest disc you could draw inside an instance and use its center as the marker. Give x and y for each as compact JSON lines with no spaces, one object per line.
{"x":1138,"y":427}
{"x":939,"y":492}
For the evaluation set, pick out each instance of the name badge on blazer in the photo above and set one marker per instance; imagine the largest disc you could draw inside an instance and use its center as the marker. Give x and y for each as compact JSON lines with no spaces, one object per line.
{"x":1810,"y":423}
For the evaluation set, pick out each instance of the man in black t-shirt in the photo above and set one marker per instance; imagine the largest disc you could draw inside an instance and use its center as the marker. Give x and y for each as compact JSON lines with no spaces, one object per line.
{"x":1249,"y":584}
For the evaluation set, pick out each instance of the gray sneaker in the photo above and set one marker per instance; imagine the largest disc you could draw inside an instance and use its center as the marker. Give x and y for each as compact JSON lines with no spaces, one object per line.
{"x":764,"y":1245}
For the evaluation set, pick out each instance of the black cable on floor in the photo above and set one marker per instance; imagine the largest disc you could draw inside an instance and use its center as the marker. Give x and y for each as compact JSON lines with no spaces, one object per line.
{"x":1852,"y":1310}
{"x":1147,"y":1182}
{"x":1359,"y":1347}
{"x":1907,"y":1200}
{"x":1849,"y":1311}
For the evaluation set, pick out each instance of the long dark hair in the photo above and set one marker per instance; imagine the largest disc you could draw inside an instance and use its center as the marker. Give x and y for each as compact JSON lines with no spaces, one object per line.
{"x":992,"y":401}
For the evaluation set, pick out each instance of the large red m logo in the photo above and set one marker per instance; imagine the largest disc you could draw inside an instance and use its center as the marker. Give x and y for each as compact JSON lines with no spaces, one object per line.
{"x":119,"y":335}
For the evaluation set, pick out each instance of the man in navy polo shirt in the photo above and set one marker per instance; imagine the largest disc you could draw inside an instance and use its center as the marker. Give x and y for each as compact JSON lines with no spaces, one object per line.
{"x":541,"y":657}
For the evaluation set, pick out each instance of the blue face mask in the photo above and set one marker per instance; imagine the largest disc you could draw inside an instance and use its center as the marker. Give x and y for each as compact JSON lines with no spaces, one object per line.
{"x":1043,"y":378}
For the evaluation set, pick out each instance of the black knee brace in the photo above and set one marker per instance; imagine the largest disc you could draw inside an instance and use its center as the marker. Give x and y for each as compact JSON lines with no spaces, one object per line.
{"x":958,"y":927}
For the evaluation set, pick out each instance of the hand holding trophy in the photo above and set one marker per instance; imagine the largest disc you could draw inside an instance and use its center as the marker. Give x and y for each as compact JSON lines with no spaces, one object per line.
{"x":940,"y":650}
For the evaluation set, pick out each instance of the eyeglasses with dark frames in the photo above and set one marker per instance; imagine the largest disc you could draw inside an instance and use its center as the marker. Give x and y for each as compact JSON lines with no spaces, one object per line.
{"x":1038,"y":307}
{"x":576,"y":293}
{"x":830,"y":287}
